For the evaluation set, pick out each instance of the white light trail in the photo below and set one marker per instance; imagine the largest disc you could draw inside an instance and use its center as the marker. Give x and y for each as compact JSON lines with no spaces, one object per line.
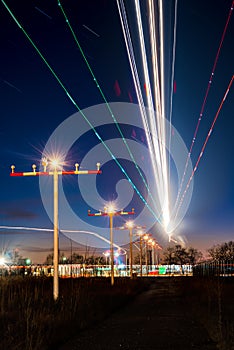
{"x":136,"y":80}
{"x":38,"y":229}
{"x":92,"y":234}
{"x":172,"y":88}
{"x":161,"y":118}
{"x":154,"y":123}
{"x":18,"y":228}
{"x":155,"y":64}
{"x":153,"y":137}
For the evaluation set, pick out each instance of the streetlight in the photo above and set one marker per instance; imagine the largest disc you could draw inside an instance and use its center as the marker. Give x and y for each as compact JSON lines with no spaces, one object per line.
{"x":110,"y":211}
{"x":157,"y":247}
{"x":71,"y":258}
{"x":130,"y":226}
{"x":141,"y":234}
{"x":55,"y":165}
{"x":146,"y":238}
{"x":107,"y":254}
{"x":153,"y":245}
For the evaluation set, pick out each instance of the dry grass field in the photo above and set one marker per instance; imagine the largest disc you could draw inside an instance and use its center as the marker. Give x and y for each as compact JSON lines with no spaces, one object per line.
{"x":31,"y":320}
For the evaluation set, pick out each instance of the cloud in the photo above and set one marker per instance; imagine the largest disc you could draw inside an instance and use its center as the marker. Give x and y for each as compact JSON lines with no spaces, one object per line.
{"x":16,"y":213}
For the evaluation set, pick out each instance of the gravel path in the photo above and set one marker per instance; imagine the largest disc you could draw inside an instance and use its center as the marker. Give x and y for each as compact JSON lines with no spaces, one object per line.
{"x":157,"y":319}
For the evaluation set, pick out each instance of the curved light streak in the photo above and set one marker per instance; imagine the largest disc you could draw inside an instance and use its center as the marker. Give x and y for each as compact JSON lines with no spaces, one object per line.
{"x":25,"y":228}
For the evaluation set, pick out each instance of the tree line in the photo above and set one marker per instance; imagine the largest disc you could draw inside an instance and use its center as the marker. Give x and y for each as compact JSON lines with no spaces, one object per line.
{"x":176,"y":254}
{"x":76,"y":258}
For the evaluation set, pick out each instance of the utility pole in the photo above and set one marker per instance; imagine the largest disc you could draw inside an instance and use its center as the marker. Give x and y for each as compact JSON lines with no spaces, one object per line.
{"x":110,"y":211}
{"x":55,"y":172}
{"x":141,"y":234}
{"x":130,"y":226}
{"x":147,"y":238}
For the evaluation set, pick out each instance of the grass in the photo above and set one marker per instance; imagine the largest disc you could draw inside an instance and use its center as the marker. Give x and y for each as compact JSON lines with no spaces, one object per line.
{"x":212,"y":302}
{"x":31,"y":320}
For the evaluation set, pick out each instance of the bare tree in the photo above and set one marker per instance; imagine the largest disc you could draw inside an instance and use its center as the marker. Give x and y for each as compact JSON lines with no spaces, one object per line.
{"x":180,"y":255}
{"x":224,"y":251}
{"x":169,"y":256}
{"x":194,"y":255}
{"x":77,"y":259}
{"x":49,"y":259}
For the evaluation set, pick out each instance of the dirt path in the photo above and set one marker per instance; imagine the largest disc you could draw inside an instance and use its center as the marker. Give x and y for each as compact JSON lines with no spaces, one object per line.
{"x":157,"y":319}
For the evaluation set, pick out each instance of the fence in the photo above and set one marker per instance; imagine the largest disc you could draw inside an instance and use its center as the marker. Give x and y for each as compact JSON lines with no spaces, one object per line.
{"x":214,"y":268}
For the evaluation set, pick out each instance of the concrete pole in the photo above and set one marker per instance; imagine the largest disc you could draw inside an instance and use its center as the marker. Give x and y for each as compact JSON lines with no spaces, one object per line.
{"x":111,"y":248}
{"x":153,"y":255}
{"x":56,"y":241}
{"x":146,"y":257}
{"x":141,"y":256}
{"x":130,"y":238}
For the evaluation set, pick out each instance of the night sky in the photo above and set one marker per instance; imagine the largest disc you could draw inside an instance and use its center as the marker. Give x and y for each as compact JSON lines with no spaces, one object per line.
{"x":33,"y":105}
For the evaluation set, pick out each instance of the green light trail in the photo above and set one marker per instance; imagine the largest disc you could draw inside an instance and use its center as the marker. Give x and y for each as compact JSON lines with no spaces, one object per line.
{"x":80,"y":110}
{"x":105,"y":100}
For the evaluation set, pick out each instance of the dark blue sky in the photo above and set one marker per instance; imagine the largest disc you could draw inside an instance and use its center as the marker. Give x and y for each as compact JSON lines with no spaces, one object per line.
{"x":33,"y":104}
